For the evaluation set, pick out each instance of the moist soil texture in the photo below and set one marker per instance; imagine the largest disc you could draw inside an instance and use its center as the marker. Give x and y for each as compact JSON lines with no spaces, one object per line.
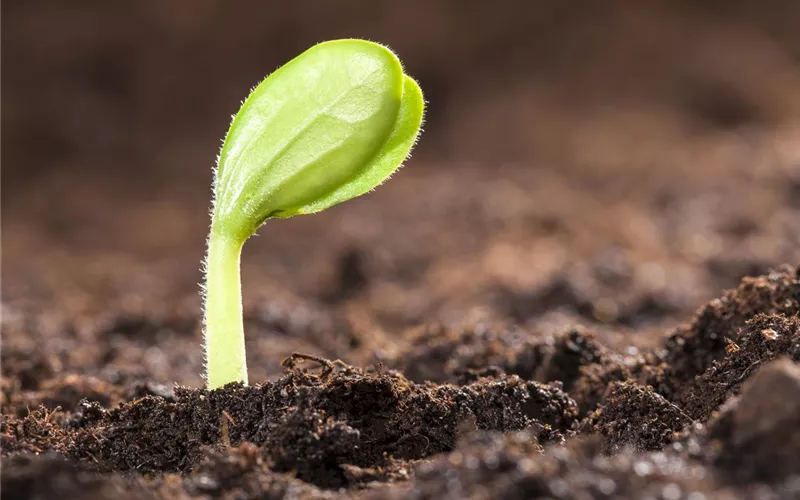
{"x":483,"y":411}
{"x":585,"y":284}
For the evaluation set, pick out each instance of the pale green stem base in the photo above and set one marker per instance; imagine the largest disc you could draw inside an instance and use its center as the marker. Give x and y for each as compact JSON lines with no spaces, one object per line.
{"x":224,"y":326}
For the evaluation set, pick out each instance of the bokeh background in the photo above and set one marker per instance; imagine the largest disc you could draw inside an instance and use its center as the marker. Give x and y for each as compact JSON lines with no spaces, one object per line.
{"x":607,"y":163}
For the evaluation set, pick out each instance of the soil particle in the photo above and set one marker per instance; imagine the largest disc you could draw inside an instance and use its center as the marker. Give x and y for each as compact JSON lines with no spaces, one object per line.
{"x":591,"y":387}
{"x":87,"y":413}
{"x":757,"y":435}
{"x":763,"y":339}
{"x":691,"y":349}
{"x":313,"y":446}
{"x":573,"y":350}
{"x":636,"y":416}
{"x":37,"y":432}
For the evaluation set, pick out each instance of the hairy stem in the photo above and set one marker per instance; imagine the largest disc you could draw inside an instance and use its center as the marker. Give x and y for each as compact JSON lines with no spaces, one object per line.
{"x":224,"y":326}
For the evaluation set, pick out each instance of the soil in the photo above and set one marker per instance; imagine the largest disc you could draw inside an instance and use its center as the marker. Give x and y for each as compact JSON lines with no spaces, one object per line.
{"x":603,"y":307}
{"x":483,"y":412}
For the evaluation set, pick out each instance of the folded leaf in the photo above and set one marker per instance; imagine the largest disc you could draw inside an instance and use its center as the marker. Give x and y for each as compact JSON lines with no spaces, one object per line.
{"x":330,"y":125}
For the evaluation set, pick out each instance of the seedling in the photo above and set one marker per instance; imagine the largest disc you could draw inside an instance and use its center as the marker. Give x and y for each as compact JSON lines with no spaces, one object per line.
{"x":330,"y":125}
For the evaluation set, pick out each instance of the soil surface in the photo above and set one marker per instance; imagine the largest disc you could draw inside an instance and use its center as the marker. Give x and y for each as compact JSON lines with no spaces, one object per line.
{"x":565,"y":294}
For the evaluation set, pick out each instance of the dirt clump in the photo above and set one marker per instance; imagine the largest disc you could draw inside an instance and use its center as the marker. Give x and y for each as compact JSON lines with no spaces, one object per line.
{"x":757,"y":434}
{"x":763,"y":339}
{"x":637,"y":417}
{"x":692,"y":349}
{"x":697,"y":349}
{"x":37,"y":432}
{"x":314,"y":423}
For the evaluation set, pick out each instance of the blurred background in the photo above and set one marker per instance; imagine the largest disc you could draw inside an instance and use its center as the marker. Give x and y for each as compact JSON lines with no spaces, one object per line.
{"x":608,"y":163}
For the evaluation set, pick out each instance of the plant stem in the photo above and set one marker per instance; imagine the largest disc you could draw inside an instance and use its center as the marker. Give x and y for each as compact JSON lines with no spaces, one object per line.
{"x":224,"y":325}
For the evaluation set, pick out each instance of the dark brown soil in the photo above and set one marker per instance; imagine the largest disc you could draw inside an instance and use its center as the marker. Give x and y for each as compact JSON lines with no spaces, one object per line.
{"x":588,"y":426}
{"x":585,"y":284}
{"x":754,"y":437}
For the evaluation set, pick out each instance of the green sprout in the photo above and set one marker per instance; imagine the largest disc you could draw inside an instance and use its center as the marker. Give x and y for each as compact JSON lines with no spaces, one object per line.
{"x":330,"y":125}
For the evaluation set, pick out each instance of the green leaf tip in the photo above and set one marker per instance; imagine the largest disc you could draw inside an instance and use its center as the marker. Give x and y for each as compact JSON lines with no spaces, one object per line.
{"x":330,"y":125}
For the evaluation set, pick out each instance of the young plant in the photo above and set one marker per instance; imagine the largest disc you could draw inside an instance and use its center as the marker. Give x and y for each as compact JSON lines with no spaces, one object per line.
{"x":330,"y":125}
